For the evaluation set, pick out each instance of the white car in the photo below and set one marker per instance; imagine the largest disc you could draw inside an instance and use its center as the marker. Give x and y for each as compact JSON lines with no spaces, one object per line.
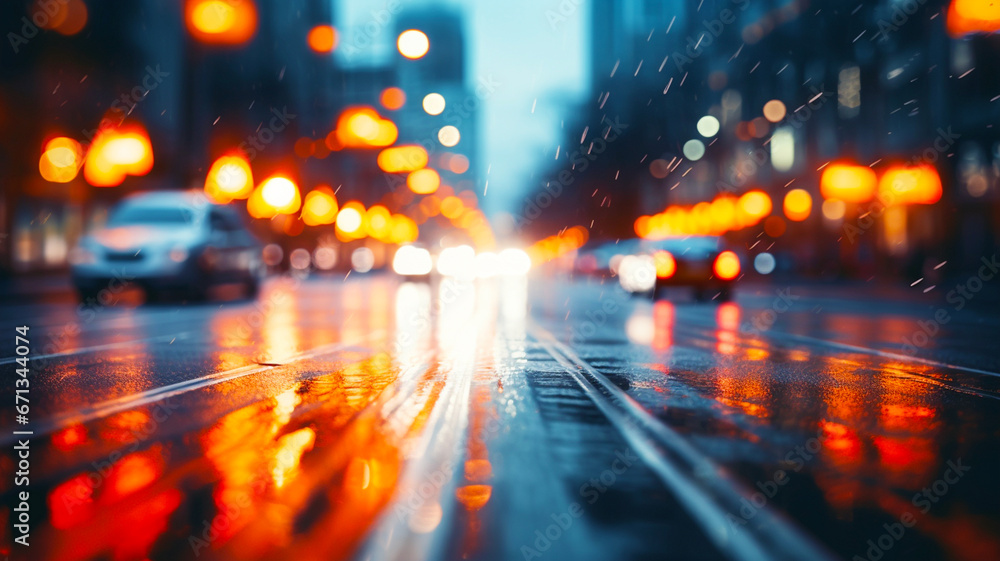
{"x":167,"y":241}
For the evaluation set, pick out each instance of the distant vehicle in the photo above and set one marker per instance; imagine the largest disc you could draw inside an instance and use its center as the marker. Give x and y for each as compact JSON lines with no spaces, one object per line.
{"x":168,"y":241}
{"x":413,"y":262}
{"x":701,"y":262}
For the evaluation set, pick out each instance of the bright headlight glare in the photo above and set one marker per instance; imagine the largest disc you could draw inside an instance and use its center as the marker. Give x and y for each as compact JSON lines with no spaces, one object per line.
{"x":412,"y":261}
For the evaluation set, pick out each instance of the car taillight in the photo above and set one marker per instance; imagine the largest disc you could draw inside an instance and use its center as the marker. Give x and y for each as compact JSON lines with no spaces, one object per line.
{"x":665,"y":263}
{"x":727,"y":265}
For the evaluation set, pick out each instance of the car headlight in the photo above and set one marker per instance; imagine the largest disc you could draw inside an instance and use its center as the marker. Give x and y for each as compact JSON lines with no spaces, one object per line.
{"x":412,"y":261}
{"x":82,"y":256}
{"x":178,"y":254}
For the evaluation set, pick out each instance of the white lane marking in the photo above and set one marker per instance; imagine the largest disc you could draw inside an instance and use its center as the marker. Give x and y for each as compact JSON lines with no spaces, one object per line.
{"x":111,"y":406}
{"x":774,"y":537}
{"x":393,"y":537}
{"x":96,"y":348}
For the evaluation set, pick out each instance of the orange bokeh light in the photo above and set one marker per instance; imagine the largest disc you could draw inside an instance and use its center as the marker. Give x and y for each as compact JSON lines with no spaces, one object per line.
{"x":458,"y":164}
{"x":910,"y":185}
{"x":973,"y":16}
{"x":229,"y":178}
{"x":61,"y":160}
{"x":320,"y":207}
{"x":322,"y":39}
{"x":115,"y":153}
{"x":275,"y":195}
{"x":402,"y":159}
{"x":754,"y":206}
{"x":798,"y":205}
{"x":392,"y":98}
{"x":424,"y":181}
{"x":848,"y":183}
{"x":362,"y":127}
{"x":221,"y":22}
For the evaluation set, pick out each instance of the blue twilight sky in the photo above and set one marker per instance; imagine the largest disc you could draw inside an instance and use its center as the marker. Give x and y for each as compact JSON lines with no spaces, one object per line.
{"x":538,"y":61}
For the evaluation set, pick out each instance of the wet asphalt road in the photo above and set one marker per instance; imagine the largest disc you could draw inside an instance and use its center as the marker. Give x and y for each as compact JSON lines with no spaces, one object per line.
{"x":370,"y":419}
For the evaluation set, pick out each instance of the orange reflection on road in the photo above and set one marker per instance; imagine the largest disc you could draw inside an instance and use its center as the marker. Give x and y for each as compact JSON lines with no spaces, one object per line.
{"x":70,"y":437}
{"x":290,"y":450}
{"x":663,"y":321}
{"x":91,"y":509}
{"x":727,"y":317}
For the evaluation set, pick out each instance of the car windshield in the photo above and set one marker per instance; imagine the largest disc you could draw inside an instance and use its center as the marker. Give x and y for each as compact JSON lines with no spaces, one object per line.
{"x":693,"y":244}
{"x":151,"y":216}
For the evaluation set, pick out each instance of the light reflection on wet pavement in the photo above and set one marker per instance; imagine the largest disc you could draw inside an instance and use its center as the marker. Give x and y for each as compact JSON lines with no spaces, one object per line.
{"x":375,"y":420}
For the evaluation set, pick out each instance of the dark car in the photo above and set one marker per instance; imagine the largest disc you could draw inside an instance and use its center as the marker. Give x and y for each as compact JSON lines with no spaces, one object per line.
{"x":168,"y":242}
{"x":701,"y":262}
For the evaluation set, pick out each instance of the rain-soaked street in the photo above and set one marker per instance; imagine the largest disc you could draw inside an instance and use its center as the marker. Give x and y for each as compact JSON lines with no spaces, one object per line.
{"x":370,"y":418}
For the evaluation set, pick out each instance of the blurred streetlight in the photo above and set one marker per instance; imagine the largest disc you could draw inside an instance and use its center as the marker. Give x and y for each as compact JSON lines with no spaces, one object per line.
{"x":350,"y":218}
{"x":393,"y":98}
{"x":434,"y":103}
{"x":910,"y":185}
{"x":753,"y":206}
{"x":402,"y":159}
{"x":320,"y":207}
{"x":774,"y":110}
{"x":848,"y":183}
{"x":708,"y":126}
{"x":61,"y":160}
{"x":275,"y":195}
{"x":115,"y":153}
{"x":362,"y":127}
{"x":229,"y":178}
{"x":449,"y":136}
{"x":413,"y":44}
{"x":222,"y":22}
{"x":973,"y":16}
{"x":423,"y":181}
{"x":798,"y":205}
{"x":322,"y":39}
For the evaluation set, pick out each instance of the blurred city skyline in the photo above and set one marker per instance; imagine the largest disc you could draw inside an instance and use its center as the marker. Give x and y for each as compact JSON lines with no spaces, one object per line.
{"x":535,"y":50}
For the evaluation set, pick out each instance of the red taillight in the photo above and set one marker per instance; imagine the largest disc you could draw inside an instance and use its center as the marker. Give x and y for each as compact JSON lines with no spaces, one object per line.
{"x":666,"y":266}
{"x":727,"y":266}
